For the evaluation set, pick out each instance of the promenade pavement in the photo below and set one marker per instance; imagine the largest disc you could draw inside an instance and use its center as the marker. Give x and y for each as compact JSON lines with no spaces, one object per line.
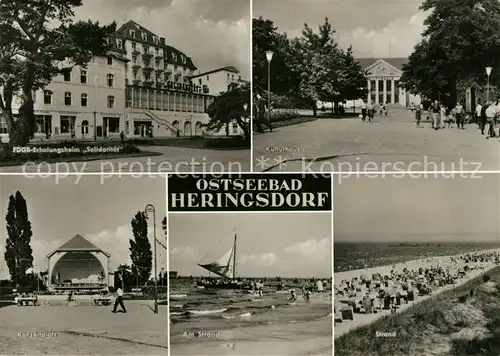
{"x":171,"y":159}
{"x":391,"y":143}
{"x":83,"y":330}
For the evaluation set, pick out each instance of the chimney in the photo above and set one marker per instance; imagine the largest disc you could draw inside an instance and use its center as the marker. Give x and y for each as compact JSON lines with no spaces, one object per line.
{"x":162,"y":41}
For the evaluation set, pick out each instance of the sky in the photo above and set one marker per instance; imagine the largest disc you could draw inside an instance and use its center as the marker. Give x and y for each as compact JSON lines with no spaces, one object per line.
{"x":269,"y":245}
{"x":99,"y":212}
{"x":424,"y":209}
{"x":214,"y":33}
{"x":375,"y":28}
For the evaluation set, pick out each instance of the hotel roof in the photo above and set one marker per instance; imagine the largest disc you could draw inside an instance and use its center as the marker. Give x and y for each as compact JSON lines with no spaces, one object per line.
{"x":227,"y":68}
{"x":124,"y":32}
{"x":78,"y":244}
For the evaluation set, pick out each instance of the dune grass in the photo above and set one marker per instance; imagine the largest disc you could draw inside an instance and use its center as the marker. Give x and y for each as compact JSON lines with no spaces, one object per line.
{"x":452,"y":323}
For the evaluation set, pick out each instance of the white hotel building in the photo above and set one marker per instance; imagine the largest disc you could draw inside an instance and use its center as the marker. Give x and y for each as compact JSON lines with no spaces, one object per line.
{"x":142,"y":86}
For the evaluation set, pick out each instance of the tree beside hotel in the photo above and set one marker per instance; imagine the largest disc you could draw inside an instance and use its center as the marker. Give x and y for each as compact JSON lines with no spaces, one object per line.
{"x":140,"y":248}
{"x":459,"y":41}
{"x":229,"y":107}
{"x":33,"y":51}
{"x":18,"y":253}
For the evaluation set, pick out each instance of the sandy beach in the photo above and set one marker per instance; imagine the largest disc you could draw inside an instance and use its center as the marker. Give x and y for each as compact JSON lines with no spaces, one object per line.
{"x":443,"y":261}
{"x":306,"y":338}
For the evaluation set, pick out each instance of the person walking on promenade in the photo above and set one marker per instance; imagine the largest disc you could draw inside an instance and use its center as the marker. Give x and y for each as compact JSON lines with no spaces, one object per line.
{"x":459,"y":115}
{"x":435,"y":115}
{"x":442,"y":115}
{"x":363,"y":110}
{"x":119,"y":300}
{"x":370,"y":111}
{"x":477,"y":114}
{"x":262,"y":114}
{"x":418,"y":114}
{"x":491,"y":114}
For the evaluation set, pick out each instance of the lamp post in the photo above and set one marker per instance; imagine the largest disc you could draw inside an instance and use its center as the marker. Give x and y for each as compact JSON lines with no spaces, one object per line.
{"x":162,"y":275}
{"x":150,"y":208}
{"x":488,"y":73}
{"x":269,"y":57}
{"x":95,"y":107}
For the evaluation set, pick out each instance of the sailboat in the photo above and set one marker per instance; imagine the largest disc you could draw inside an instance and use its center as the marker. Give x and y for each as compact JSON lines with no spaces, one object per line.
{"x":225,"y":268}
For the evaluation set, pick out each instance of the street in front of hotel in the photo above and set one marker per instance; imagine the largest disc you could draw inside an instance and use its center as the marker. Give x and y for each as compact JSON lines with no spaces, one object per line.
{"x":391,"y":143}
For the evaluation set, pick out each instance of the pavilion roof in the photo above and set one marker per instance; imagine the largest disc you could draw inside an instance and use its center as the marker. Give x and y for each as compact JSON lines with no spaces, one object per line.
{"x":78,"y":244}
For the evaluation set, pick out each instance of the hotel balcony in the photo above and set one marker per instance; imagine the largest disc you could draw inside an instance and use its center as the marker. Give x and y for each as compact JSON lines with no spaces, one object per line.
{"x":135,"y":51}
{"x":147,"y":68}
{"x":159,"y":56}
{"x":177,"y":74}
{"x":159,"y":84}
{"x":148,"y":82}
{"x":167,"y":71}
{"x":136,"y":66}
{"x":158,"y":70}
{"x":136,"y":81}
{"x":147,"y":55}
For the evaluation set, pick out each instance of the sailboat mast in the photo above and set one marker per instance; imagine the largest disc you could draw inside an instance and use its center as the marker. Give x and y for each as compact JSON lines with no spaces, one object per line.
{"x":234,"y":257}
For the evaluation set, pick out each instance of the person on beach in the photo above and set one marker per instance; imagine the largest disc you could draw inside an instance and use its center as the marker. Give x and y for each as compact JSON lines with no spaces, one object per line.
{"x":293,"y":297}
{"x":119,"y":300}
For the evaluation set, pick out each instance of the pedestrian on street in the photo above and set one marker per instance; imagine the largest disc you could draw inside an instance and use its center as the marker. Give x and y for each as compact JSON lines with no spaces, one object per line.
{"x":442,"y":116}
{"x":363,"y":111}
{"x":418,"y":114}
{"x":263,"y":114}
{"x":491,"y":114}
{"x":119,"y":300}
{"x":435,"y":115}
{"x":459,"y":115}
{"x":370,"y":111}
{"x":477,"y":114}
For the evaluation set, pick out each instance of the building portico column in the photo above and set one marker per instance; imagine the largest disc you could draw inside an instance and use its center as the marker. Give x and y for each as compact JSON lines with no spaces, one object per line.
{"x":385,"y":90}
{"x":393,"y":91}
{"x":369,"y":91}
{"x":376,"y":92}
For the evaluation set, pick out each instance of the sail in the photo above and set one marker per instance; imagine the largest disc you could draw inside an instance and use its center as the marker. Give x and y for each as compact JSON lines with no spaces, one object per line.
{"x":222,"y":267}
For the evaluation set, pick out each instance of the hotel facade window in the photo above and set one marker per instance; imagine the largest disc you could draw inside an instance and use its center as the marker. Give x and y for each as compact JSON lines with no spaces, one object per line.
{"x":83,"y":76}
{"x":119,"y":43}
{"x":67,"y":124}
{"x":111,"y":101}
{"x":144,"y":36}
{"x":67,"y":76}
{"x":132,"y":33}
{"x":146,"y":49}
{"x":134,"y":59}
{"x":134,"y":73}
{"x":67,"y":98}
{"x":110,"y":79}
{"x":84,"y":99}
{"x":110,"y":60}
{"x":134,"y":46}
{"x":47,"y":97}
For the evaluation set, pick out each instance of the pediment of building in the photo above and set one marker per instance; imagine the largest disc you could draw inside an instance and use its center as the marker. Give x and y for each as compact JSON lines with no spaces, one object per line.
{"x":383,"y":69}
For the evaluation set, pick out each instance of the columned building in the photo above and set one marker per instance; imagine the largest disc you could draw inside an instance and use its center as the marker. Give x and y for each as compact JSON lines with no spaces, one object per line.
{"x":383,"y":81}
{"x":78,"y":265}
